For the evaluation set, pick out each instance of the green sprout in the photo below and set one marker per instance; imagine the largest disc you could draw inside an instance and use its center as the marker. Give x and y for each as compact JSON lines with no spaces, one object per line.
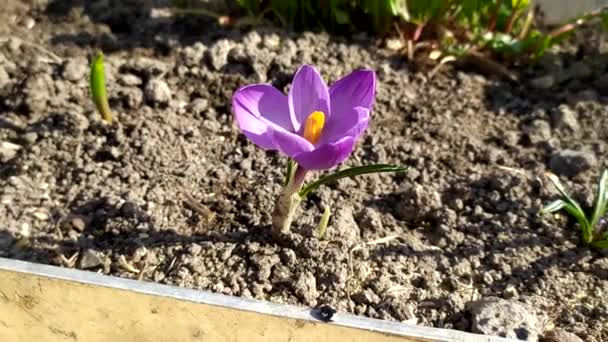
{"x":98,"y":87}
{"x":322,"y":227}
{"x":591,"y":226}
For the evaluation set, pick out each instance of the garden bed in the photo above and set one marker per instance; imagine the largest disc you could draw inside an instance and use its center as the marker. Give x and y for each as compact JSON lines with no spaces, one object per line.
{"x":175,"y":194}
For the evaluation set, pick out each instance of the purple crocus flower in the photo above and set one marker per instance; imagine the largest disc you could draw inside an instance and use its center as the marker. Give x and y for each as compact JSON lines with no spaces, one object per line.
{"x":315,"y":125}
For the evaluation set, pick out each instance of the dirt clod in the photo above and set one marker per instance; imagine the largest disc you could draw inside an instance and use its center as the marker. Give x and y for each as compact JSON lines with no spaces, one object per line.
{"x":570,"y":163}
{"x":157,"y":92}
{"x":512,"y":319}
{"x":90,"y":259}
{"x":560,"y":335}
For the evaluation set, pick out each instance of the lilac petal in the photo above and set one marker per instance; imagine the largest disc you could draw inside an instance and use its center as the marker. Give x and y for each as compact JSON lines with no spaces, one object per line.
{"x":326,"y":156}
{"x":352,"y":123}
{"x":357,"y":89}
{"x":291,"y":143}
{"x":308,"y":94}
{"x":259,"y":107}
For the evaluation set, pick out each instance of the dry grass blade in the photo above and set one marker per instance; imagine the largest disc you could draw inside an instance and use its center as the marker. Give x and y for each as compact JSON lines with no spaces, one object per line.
{"x":445,"y":60}
{"x":192,"y":203}
{"x":122,"y":262}
{"x":382,"y":240}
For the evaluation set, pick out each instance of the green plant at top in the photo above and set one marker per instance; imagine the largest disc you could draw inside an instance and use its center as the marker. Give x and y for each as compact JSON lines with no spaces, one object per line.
{"x":592,"y":231}
{"x":492,"y":28}
{"x":336,"y":16}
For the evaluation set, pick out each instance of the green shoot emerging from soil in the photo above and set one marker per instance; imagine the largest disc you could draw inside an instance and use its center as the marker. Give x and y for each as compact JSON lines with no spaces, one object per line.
{"x":592,"y":231}
{"x":98,"y":87}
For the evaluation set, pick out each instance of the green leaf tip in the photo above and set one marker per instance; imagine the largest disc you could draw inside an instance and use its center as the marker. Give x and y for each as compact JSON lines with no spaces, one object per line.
{"x":592,"y":232}
{"x":322,"y":227}
{"x":351,"y":172}
{"x":98,"y":87}
{"x":552,"y":207}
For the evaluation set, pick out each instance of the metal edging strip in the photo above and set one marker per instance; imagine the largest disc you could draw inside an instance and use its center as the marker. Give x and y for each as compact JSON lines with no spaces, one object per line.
{"x":237,"y":303}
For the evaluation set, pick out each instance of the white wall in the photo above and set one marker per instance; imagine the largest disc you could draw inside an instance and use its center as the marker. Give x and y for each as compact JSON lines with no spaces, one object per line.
{"x":559,"y":11}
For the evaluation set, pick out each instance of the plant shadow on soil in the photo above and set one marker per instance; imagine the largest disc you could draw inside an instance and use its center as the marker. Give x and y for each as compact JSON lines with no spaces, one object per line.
{"x":95,"y":216}
{"x":429,"y":225}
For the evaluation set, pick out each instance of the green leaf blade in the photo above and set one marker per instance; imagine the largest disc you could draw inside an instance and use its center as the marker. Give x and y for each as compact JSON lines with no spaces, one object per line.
{"x":602,"y":244}
{"x":322,"y":227}
{"x":565,"y":197}
{"x":579,"y":215}
{"x":351,"y":172}
{"x":601,"y":200}
{"x":552,"y":207}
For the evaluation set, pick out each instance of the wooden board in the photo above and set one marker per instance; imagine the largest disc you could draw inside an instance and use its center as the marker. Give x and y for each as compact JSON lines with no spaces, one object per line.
{"x":46,"y":303}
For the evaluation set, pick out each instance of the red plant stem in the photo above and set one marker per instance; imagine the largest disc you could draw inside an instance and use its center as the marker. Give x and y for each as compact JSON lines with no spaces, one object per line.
{"x":494,"y":18}
{"x":573,"y":25}
{"x":512,"y":17}
{"x":562,"y":30}
{"x":418,"y":32}
{"x":298,"y":179}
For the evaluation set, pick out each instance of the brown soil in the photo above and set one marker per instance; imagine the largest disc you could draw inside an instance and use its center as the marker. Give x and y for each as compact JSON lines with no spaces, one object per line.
{"x":78,"y":193}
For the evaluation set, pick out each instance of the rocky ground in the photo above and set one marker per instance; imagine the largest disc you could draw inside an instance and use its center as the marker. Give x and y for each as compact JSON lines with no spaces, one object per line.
{"x":174,"y":194}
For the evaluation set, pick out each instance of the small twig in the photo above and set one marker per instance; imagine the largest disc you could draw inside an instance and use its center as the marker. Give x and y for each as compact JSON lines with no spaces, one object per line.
{"x":202,"y":210}
{"x":577,"y":22}
{"x":514,"y":170}
{"x":144,"y":270}
{"x":68,"y":262}
{"x":520,"y":172}
{"x":444,"y":60}
{"x":122,"y":262}
{"x":171,"y":264}
{"x":382,"y":240}
{"x":527,"y":25}
{"x":410,"y":49}
{"x":222,"y":20}
{"x":408,"y":43}
{"x":478,"y":59}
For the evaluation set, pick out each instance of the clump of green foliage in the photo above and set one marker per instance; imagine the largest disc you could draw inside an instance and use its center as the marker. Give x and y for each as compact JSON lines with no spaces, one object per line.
{"x":593,"y":230}
{"x":454,"y":27}
{"x":336,"y":16}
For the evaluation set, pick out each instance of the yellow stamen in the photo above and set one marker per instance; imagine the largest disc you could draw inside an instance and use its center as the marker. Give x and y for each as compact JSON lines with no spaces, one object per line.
{"x":314,"y":126}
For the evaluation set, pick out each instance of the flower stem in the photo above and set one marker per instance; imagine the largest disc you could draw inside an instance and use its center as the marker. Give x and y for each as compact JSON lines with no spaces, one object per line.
{"x":287,"y":204}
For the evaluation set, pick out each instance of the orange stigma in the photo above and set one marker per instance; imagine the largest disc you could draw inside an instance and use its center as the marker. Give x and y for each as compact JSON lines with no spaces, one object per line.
{"x":314,"y":126}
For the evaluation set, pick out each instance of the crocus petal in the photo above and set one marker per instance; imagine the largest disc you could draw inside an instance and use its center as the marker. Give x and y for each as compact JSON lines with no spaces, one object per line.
{"x":308,"y":94}
{"x":326,"y":156}
{"x":290,"y":143}
{"x":357,"y":89}
{"x":352,"y":123}
{"x":259,"y":107}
